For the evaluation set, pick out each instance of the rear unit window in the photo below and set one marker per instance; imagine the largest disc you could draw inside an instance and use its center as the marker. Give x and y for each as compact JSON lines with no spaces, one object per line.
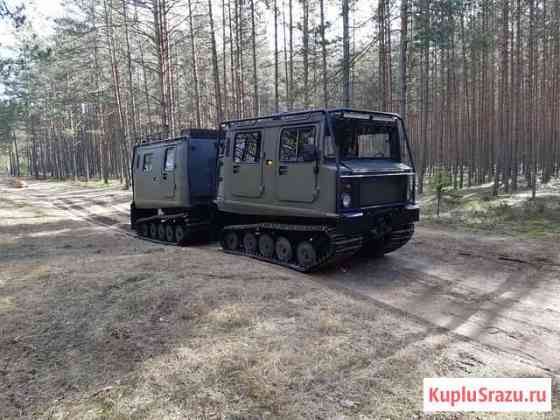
{"x":292,"y":142}
{"x":169,"y":159}
{"x":147,"y":165}
{"x":247,"y":147}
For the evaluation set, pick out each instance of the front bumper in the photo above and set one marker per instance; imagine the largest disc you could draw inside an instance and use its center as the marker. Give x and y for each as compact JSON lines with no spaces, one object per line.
{"x":378,"y":222}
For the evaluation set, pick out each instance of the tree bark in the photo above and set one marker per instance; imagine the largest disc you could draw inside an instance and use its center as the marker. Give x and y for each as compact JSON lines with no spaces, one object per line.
{"x":324,"y":56}
{"x":217,"y":91}
{"x":402,"y":61}
{"x":194,"y":66}
{"x":256,"y":107}
{"x":346,"y":52}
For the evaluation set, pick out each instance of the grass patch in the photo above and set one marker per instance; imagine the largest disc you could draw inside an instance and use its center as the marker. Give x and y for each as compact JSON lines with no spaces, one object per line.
{"x":95,"y":183}
{"x":98,"y":183}
{"x":7,"y":303}
{"x":231,"y":317}
{"x":517,"y":214}
{"x":17,"y":204}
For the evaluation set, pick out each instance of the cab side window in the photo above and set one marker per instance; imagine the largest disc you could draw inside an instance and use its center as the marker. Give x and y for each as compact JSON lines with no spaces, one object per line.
{"x":169,"y":163}
{"x":289,"y":145}
{"x":247,"y":147}
{"x":292,"y":142}
{"x":147,"y":164}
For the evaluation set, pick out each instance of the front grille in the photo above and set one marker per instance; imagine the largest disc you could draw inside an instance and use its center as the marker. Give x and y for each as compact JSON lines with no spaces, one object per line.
{"x":381,"y":190}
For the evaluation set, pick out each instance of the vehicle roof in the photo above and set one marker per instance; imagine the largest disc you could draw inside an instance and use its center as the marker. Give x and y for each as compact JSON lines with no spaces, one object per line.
{"x":302,"y":116}
{"x":198,"y":133}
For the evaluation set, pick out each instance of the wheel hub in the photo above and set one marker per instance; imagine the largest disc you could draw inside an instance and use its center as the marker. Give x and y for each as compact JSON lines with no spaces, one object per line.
{"x":266,"y":245}
{"x":250,"y":243}
{"x":306,"y":254}
{"x":284,"y":249}
{"x":231,"y":241}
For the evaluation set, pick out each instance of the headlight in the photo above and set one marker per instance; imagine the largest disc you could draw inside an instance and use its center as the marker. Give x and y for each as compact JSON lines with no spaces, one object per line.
{"x":410,"y":189}
{"x":346,"y":200}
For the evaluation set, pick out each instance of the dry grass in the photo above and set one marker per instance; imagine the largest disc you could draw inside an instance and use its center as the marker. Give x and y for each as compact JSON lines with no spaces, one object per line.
{"x":17,"y":183}
{"x":102,"y":326}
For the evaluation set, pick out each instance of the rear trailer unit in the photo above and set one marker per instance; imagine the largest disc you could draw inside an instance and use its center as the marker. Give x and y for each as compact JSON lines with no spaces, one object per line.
{"x":174,"y":185}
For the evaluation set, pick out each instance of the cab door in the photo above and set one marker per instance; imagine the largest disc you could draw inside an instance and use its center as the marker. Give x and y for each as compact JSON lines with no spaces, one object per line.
{"x":168,"y":173}
{"x":296,"y":179}
{"x":247,"y":164}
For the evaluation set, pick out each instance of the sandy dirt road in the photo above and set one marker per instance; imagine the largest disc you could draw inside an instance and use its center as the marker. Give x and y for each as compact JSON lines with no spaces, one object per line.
{"x":497,"y":299}
{"x":501,"y":292}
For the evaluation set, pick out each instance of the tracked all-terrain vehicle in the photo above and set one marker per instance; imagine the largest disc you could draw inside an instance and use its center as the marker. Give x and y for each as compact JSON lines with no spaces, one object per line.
{"x":303,"y":189}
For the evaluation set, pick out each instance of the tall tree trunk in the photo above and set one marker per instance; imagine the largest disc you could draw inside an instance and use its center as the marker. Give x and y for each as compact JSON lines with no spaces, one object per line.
{"x":276,"y":74}
{"x":217,"y":91}
{"x":403,"y":57}
{"x":286,"y":61}
{"x":224,"y":60}
{"x":346,"y":52}
{"x":232,"y":67}
{"x":291,"y":25}
{"x":158,"y":35}
{"x":130,"y":93}
{"x":324,"y":55}
{"x":256,"y":108}
{"x":382,"y":55}
{"x":388,"y":58}
{"x":519,"y":74}
{"x":108,"y":6}
{"x":305,"y":52}
{"x":194,"y":66}
{"x":500,"y":143}
{"x":555,"y":118}
{"x":17,"y":171}
{"x":532,"y":103}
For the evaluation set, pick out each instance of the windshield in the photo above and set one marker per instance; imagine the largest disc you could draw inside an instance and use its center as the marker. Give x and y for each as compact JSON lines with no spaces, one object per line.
{"x":364,"y":140}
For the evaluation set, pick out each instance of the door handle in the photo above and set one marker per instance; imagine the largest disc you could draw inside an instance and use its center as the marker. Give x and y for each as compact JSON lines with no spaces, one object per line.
{"x":282,"y":170}
{"x":235,"y":169}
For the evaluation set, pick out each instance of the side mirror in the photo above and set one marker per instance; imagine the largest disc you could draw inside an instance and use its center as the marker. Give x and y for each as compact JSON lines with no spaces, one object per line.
{"x":309,"y":153}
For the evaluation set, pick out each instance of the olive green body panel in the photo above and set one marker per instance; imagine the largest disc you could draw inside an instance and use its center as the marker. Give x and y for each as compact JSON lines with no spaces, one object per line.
{"x":261,"y":175}
{"x":156,"y":186}
{"x":271,"y":186}
{"x":176,"y":173}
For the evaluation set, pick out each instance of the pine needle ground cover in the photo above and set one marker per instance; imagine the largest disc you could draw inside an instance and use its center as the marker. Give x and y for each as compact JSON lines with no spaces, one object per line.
{"x":516,"y":214}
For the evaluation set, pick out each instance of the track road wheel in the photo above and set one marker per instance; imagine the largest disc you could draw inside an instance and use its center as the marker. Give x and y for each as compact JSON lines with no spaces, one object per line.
{"x":180,"y":233}
{"x":231,"y":241}
{"x":144,"y":229}
{"x":306,"y":254}
{"x":266,"y":245}
{"x":250,"y":243}
{"x":169,"y":233}
{"x":161,"y":232}
{"x":153,"y":230}
{"x":284,"y":249}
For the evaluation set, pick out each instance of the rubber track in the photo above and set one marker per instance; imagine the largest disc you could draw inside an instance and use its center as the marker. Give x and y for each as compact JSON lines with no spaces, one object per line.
{"x":342,"y":247}
{"x":398,"y":238}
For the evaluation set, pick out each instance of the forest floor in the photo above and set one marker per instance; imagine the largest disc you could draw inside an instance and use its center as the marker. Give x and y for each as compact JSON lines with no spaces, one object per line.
{"x":516,"y":214}
{"x":96,"y":323}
